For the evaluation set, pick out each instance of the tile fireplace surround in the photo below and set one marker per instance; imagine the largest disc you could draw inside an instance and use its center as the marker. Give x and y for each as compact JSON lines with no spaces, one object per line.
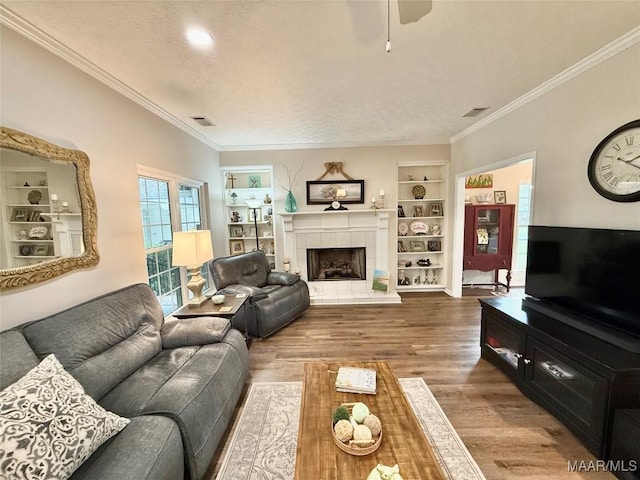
{"x":341,"y":229}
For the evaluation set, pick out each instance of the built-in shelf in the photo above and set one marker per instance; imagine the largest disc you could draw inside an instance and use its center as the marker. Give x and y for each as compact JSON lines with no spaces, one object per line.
{"x":429,"y":210}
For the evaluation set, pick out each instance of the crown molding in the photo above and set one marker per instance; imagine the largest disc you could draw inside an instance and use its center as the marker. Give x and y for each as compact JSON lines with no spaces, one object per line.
{"x":320,"y":145}
{"x":630,"y":38}
{"x":31,"y":32}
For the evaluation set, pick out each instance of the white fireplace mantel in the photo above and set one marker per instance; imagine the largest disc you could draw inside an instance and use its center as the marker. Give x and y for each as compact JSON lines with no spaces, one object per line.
{"x":340,"y":229}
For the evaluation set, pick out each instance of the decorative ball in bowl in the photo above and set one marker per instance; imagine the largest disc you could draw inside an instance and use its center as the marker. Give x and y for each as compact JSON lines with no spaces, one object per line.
{"x":355,"y":430}
{"x":217,"y":299}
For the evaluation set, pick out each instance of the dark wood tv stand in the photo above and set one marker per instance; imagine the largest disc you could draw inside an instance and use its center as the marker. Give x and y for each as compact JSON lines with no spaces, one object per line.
{"x":580,"y":375}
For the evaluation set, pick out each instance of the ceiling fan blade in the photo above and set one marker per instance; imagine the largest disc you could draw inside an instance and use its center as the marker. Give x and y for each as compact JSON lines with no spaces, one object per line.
{"x":413,"y":10}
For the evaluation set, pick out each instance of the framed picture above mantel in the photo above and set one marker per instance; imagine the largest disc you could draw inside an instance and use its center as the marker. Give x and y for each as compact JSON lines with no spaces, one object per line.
{"x":323,"y":192}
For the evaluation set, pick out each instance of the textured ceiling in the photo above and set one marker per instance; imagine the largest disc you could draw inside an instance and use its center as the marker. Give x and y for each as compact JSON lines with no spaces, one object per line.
{"x":315,"y":73}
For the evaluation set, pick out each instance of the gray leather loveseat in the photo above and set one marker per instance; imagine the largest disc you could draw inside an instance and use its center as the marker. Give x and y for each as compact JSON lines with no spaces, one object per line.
{"x":178,"y":381}
{"x":275,"y":298}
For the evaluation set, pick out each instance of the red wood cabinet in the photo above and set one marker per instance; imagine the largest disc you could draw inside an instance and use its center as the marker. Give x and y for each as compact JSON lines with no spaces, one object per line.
{"x":488,"y":238}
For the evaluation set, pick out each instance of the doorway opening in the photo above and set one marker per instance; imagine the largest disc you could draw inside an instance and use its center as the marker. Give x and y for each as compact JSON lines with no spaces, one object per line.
{"x":506,"y":182}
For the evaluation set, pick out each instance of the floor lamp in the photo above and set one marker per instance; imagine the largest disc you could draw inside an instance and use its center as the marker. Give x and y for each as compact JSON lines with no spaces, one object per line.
{"x":191,"y":249}
{"x":255,"y":205}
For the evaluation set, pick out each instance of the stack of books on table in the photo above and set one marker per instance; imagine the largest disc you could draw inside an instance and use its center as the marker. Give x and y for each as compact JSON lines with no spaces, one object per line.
{"x":356,"y":380}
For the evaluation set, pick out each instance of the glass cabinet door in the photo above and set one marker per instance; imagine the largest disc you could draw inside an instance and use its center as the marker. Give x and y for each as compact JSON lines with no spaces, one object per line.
{"x":488,"y":231}
{"x":506,"y":343}
{"x":556,"y":377}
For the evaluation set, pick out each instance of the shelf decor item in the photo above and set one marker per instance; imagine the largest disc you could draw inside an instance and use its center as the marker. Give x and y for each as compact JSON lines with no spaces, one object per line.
{"x":19,"y":215}
{"x":418,"y":227}
{"x":237,"y":247}
{"x":34,"y":197}
{"x":41,"y":250}
{"x":255,"y":181}
{"x":417,"y":246}
{"x":434,"y":245}
{"x":38,"y":233}
{"x":418,"y":192}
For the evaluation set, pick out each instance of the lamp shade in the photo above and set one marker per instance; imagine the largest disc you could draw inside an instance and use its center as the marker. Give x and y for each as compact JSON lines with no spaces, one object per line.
{"x":192,"y":248}
{"x":253,"y":203}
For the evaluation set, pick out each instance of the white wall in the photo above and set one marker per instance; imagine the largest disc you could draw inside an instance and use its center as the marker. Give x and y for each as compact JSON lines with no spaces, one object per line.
{"x":377,"y":166}
{"x":44,"y":96}
{"x":563,"y":127}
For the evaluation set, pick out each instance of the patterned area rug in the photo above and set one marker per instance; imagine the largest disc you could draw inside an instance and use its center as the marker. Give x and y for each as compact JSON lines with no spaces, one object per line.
{"x":263,"y":446}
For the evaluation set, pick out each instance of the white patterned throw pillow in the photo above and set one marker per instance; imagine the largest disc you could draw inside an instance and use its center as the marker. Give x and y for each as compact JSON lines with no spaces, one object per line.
{"x":49,"y":426}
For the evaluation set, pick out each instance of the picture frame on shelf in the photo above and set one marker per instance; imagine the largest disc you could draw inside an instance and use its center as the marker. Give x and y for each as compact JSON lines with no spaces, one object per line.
{"x":255,"y":181}
{"x":257,"y":213}
{"x":236,"y":231}
{"x":252,"y":232}
{"x":19,"y":215}
{"x":417,"y":246}
{"x":434,"y":245}
{"x":436,"y":209}
{"x":500,"y":197}
{"x":401,"y":247}
{"x":418,"y":211}
{"x":41,"y":250}
{"x":400,"y":211}
{"x":236,"y":247}
{"x":323,"y":192}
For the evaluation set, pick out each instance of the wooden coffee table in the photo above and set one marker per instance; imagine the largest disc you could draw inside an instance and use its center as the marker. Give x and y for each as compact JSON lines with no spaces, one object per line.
{"x":403,"y":441}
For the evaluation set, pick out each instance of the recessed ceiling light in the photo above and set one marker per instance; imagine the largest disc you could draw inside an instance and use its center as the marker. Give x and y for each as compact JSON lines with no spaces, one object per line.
{"x":199,"y":37}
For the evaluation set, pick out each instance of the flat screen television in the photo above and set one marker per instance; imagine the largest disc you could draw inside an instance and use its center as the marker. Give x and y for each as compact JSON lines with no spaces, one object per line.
{"x":594,"y":273}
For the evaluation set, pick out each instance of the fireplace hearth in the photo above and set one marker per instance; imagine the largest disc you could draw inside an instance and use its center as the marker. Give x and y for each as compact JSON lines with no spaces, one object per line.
{"x":334,"y":264}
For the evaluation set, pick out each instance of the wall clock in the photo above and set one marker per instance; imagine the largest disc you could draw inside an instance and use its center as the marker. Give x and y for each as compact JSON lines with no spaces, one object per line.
{"x":614,"y":166}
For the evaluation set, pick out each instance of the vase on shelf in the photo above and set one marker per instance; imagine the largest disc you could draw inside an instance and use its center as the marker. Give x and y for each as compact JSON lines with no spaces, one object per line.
{"x":290,"y":204}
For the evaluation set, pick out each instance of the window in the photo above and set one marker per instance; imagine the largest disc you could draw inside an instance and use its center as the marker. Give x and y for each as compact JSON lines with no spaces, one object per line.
{"x":522,"y":224}
{"x":168,"y":203}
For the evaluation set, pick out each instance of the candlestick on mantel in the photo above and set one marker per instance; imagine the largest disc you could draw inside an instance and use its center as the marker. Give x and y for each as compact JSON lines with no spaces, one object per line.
{"x":54,"y":202}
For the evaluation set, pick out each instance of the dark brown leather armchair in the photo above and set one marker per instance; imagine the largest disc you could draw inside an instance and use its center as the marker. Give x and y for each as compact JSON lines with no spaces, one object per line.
{"x":275,"y":298}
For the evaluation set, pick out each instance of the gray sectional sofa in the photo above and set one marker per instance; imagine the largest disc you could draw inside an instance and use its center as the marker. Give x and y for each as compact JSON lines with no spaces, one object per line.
{"x":178,"y":380}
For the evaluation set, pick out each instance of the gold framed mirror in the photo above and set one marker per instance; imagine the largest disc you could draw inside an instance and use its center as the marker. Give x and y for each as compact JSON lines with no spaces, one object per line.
{"x":49,"y":216}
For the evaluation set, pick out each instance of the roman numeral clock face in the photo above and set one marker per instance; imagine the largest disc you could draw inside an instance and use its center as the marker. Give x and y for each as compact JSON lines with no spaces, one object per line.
{"x":614,"y":167}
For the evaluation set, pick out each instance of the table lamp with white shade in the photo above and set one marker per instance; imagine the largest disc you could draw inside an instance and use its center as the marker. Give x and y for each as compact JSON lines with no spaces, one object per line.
{"x":191,"y":249}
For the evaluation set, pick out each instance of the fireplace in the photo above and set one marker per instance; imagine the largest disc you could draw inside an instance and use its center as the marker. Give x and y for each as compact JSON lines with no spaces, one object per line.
{"x":331,"y":264}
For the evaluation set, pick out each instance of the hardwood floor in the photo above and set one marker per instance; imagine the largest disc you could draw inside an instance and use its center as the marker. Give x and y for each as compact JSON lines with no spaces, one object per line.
{"x":436,"y":337}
